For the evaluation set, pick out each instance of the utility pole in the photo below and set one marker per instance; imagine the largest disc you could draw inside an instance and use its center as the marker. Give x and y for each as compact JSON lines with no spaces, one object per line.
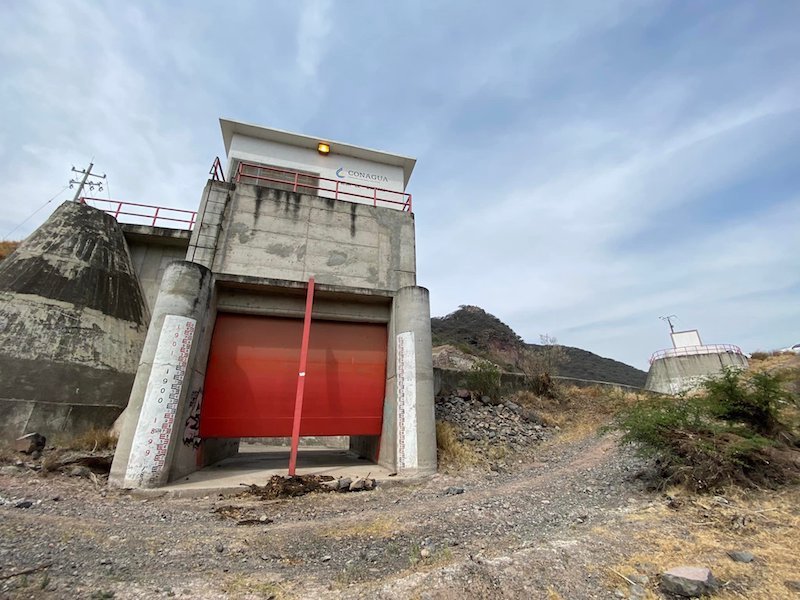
{"x":668,"y":319}
{"x":85,"y":181}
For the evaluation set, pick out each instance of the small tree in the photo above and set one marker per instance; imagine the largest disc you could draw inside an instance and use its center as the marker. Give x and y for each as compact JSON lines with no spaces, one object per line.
{"x":541,"y":364}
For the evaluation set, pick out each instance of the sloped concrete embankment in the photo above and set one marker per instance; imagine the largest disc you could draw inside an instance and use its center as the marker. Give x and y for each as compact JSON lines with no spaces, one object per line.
{"x":72,"y":324}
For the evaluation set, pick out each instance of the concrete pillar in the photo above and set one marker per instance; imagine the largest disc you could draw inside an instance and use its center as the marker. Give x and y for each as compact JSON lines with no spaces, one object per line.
{"x":153,"y":422}
{"x":408,"y":441}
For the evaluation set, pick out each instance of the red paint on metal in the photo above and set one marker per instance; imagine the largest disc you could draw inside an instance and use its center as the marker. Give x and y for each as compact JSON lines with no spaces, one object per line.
{"x":140,"y":212}
{"x":251,"y":379}
{"x":696,"y":350}
{"x":301,"y":378}
{"x":216,"y":172}
{"x":247,"y":171}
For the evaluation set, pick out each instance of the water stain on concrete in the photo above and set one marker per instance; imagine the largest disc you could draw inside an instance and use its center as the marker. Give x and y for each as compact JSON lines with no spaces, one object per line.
{"x":336,"y":258}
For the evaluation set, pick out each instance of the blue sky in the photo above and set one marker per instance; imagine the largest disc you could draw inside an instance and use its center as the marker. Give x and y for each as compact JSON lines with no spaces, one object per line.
{"x":583,"y":167}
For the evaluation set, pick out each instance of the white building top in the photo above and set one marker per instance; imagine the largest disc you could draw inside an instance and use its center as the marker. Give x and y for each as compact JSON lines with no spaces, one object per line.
{"x":293,"y":151}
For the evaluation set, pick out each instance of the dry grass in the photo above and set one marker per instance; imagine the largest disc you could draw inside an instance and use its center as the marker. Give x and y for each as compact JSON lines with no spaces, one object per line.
{"x":251,"y":586}
{"x":702,"y":529}
{"x":91,"y":440}
{"x":7,"y":248}
{"x":578,"y":411}
{"x":381,"y":527}
{"x":453,"y":453}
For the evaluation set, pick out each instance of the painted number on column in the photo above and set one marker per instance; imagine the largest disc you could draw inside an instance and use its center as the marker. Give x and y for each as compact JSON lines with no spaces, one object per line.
{"x":406,"y":402}
{"x":153,"y":432}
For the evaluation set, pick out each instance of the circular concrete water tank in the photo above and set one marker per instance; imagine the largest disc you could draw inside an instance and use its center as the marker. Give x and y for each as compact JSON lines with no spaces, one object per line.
{"x":677,"y":374}
{"x":72,"y":325}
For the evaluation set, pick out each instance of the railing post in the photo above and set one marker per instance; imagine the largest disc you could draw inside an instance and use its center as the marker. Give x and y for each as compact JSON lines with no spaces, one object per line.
{"x":296,"y":175}
{"x":375,"y":197}
{"x":336,"y":189}
{"x":119,"y":209}
{"x":155,"y":217}
{"x":301,"y":378}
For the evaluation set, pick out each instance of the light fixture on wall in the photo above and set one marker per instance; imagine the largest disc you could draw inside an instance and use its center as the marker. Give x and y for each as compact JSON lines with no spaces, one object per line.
{"x":323,"y":148}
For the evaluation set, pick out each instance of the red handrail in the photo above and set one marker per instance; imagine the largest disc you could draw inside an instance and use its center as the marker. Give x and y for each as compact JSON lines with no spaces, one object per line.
{"x":217,"y":173}
{"x":150,"y":212}
{"x":339,"y":190}
{"x":694,"y":350}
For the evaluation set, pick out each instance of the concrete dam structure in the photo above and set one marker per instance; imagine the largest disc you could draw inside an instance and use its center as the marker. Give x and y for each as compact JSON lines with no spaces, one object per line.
{"x":294,"y":312}
{"x":689,"y":363}
{"x":72,"y":325}
{"x":285,"y":307}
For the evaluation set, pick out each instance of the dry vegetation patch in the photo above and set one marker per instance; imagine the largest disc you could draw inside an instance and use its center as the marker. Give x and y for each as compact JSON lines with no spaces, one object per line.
{"x":692,"y":530}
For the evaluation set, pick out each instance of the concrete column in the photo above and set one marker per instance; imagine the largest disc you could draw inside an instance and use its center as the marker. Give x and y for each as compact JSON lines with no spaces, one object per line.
{"x":409,"y":425}
{"x":153,"y":419}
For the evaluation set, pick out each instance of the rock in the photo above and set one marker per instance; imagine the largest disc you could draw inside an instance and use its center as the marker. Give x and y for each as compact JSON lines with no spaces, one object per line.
{"x":689,"y":582}
{"x":30,"y":443}
{"x":637,"y":592}
{"x":23,"y":504}
{"x":79,"y":471}
{"x":793,"y":585}
{"x":362,"y":484}
{"x":463,"y":394}
{"x":344,"y":484}
{"x":326,"y":558}
{"x":425,"y":553}
{"x":9,"y":470}
{"x":742,"y":556}
{"x":220,"y":547}
{"x":453,"y":490}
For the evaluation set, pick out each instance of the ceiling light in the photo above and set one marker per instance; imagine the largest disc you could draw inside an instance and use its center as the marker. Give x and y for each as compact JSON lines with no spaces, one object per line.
{"x":323,"y":148}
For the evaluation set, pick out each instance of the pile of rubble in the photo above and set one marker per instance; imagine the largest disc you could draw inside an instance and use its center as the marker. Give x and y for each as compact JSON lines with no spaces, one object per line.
{"x":493,"y":422}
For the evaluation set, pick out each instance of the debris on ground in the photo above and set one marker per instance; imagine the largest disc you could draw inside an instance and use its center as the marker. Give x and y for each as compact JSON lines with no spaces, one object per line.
{"x":299,"y":485}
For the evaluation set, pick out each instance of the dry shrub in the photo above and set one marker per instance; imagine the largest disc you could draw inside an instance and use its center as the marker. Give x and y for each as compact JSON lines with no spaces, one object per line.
{"x":452,"y":452}
{"x":92,"y":440}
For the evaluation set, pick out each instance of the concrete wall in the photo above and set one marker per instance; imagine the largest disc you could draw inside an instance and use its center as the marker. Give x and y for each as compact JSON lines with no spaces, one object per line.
{"x":166,"y":422}
{"x":676,"y":374}
{"x":152,"y":249}
{"x":260,"y":232}
{"x":72,"y":325}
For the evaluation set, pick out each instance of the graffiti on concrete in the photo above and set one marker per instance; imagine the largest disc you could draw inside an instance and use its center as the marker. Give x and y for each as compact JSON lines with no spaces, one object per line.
{"x":191,"y":433}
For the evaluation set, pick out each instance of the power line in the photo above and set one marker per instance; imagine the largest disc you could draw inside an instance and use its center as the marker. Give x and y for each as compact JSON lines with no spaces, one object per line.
{"x":29,"y":217}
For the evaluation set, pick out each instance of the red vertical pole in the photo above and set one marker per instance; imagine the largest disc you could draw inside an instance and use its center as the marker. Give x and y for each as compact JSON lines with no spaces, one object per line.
{"x":301,"y":378}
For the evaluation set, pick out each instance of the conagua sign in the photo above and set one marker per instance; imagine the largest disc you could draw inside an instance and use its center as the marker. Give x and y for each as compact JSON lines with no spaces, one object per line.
{"x":344,"y":173}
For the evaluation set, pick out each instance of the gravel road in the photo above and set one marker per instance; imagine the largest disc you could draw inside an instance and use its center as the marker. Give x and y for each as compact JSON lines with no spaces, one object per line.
{"x":549,"y":526}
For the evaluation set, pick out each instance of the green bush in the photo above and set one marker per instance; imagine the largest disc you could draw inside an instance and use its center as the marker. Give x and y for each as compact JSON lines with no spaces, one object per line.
{"x":731,"y":433}
{"x":484,"y":377}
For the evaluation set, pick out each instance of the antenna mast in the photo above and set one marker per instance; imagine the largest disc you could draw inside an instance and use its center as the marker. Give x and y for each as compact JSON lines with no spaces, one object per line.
{"x":668,"y":319}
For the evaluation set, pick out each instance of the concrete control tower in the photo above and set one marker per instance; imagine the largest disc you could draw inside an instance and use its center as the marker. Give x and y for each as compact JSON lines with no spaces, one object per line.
{"x":689,"y":363}
{"x":295,"y":311}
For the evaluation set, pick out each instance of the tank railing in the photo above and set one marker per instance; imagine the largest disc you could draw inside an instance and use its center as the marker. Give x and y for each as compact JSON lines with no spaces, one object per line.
{"x":217,"y":173}
{"x":328,"y":188}
{"x":695,"y":350}
{"x":144,"y":214}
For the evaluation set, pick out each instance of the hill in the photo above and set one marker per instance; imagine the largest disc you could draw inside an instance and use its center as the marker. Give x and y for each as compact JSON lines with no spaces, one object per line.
{"x":471,"y":329}
{"x":7,"y":248}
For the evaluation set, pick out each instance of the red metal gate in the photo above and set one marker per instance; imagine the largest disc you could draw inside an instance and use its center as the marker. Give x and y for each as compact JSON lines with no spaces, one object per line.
{"x":251,"y":378}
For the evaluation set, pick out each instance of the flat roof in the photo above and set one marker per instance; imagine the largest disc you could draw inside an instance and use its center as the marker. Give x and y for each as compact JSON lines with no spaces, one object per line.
{"x":230,"y":127}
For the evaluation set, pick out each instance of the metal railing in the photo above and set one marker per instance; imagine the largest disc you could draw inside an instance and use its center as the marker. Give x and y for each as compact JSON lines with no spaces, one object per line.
{"x":327,"y":188}
{"x":217,"y":173}
{"x":144,"y":214}
{"x":695,"y":350}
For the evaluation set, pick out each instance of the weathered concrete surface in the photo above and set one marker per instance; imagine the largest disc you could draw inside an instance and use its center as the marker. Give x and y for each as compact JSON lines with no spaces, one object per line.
{"x":268,"y":233}
{"x":72,"y":325}
{"x":187,"y":291}
{"x":410,"y":315}
{"x":152,"y":250}
{"x":676,"y":374}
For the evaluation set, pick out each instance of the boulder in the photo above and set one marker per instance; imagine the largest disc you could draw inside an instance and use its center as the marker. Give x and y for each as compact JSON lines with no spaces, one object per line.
{"x":689,"y":582}
{"x":30,"y":443}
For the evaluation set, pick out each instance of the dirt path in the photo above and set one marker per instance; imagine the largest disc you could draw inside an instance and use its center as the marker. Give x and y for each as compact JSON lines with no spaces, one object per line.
{"x":542,"y":528}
